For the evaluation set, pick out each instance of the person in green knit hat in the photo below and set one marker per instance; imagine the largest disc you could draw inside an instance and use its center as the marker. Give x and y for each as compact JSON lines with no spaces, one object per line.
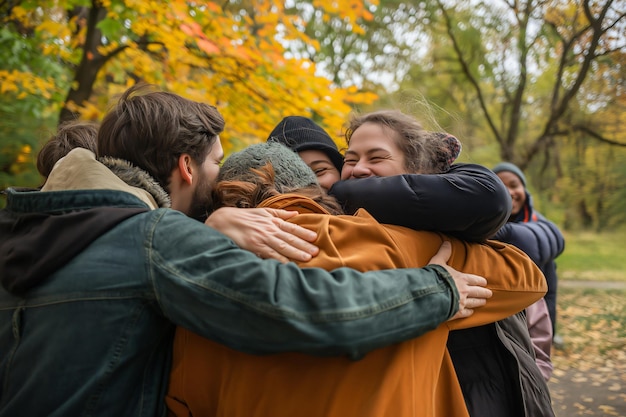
{"x":527,"y":229}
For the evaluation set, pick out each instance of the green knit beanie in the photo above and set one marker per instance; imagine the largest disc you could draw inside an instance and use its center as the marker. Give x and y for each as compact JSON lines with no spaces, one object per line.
{"x":509,"y":167}
{"x":291,"y":172}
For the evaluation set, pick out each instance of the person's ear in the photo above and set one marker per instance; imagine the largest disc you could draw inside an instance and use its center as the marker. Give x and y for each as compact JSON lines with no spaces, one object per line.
{"x":185,"y":168}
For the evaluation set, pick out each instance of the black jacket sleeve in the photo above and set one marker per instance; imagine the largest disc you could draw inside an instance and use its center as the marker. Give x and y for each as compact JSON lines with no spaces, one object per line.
{"x":469,"y":201}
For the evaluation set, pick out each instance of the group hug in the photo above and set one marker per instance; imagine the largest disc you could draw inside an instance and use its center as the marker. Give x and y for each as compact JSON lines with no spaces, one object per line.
{"x":151,"y":276}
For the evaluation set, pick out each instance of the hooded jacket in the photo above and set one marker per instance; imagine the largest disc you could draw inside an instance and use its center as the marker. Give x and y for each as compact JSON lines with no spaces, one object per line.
{"x":88,"y":332}
{"x":542,"y":240}
{"x":413,"y":378}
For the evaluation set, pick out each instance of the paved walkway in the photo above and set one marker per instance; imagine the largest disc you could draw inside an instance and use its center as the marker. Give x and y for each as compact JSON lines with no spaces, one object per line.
{"x":618,"y":285}
{"x":597,"y":392}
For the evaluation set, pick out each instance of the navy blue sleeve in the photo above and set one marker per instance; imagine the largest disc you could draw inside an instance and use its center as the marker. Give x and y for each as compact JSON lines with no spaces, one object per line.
{"x":469,"y":201}
{"x":541,"y":240}
{"x":554,"y":235}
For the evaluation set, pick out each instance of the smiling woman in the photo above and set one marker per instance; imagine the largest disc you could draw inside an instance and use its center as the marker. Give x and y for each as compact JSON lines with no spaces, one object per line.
{"x":313,"y":144}
{"x":388,"y":155}
{"x":403,"y":175}
{"x":389,"y":142}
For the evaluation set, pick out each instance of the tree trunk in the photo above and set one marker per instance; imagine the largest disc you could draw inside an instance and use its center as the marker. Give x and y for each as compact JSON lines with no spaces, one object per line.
{"x":90,"y":64}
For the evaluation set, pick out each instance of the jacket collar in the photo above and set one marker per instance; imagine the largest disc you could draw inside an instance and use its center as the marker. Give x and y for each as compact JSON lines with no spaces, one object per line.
{"x":79,"y":170}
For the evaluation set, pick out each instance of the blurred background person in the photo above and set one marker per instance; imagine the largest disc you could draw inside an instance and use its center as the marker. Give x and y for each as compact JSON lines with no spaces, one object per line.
{"x":527,"y":229}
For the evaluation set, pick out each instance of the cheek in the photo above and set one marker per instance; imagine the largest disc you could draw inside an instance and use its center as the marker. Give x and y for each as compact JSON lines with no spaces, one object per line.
{"x":332,"y":176}
{"x":388,"y":169}
{"x":212,"y":172}
{"x":346,"y":172}
{"x":326,"y":181}
{"x":519,"y":194}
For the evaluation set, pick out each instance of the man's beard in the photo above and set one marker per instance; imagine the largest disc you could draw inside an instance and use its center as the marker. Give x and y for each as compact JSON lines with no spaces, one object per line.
{"x":202,"y":200}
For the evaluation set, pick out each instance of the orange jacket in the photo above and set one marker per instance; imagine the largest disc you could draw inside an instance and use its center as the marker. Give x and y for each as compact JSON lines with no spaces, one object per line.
{"x":413,"y":378}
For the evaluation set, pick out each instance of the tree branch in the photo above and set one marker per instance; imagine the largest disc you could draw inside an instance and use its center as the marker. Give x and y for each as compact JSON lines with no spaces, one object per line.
{"x":468,"y":74}
{"x":558,"y":108}
{"x":597,"y":135}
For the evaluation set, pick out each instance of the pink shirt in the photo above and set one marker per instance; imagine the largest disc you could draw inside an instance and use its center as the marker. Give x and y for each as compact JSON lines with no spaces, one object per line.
{"x":540,"y":329}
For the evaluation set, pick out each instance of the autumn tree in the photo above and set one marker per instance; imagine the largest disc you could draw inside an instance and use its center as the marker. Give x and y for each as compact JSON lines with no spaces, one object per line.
{"x":532,"y":65}
{"x":28,"y":89}
{"x":369,"y":52}
{"x":231,"y":54}
{"x":534,"y":82}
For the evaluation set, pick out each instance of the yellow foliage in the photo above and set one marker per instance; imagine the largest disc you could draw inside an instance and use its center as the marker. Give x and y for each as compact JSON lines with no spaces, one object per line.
{"x":24,"y":83}
{"x":226,"y":54}
{"x":20,"y":14}
{"x":7,"y":82}
{"x":57,"y":30}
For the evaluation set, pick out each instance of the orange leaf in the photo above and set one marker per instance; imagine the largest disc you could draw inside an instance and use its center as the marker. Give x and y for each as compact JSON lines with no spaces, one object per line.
{"x":208,"y":46}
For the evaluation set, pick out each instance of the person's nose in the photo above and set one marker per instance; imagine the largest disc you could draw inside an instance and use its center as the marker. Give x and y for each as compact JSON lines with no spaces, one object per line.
{"x":361,"y":170}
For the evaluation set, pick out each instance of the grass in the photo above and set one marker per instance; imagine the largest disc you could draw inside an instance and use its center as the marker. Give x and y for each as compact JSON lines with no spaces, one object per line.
{"x":592,"y":256}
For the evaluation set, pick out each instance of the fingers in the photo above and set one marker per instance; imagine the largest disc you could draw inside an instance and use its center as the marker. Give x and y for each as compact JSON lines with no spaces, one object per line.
{"x":472,"y":303}
{"x":466,"y":309}
{"x":481,"y":293}
{"x":285,"y":247}
{"x":291,"y":241}
{"x":282,"y":214}
{"x":462,"y":313}
{"x":266,"y":233}
{"x":297,"y":231}
{"x":443,"y":254}
{"x":472,"y":292}
{"x":476,"y":280}
{"x":268,"y":253}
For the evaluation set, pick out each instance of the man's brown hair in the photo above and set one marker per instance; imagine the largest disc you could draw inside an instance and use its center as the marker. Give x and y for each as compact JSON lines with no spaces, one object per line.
{"x":152,"y":129}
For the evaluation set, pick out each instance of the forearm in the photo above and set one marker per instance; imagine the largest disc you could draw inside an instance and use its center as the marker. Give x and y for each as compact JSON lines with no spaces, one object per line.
{"x":261,"y":306}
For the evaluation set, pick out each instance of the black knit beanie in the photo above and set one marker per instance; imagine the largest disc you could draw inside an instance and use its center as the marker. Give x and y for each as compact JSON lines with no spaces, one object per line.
{"x":509,"y":167}
{"x":301,"y":134}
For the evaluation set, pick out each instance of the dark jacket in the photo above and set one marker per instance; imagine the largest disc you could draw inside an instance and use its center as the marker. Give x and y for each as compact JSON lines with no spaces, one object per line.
{"x":465,"y":204}
{"x":531,"y":232}
{"x":541,"y":240}
{"x":469,"y":201}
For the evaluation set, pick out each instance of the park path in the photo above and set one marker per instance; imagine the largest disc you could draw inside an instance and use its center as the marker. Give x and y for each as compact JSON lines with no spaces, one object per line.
{"x":607,"y":285}
{"x":597,"y":391}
